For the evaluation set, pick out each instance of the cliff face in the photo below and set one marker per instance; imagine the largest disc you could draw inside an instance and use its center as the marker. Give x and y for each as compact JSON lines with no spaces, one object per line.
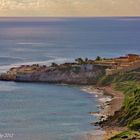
{"x":61,"y":74}
{"x":60,"y":77}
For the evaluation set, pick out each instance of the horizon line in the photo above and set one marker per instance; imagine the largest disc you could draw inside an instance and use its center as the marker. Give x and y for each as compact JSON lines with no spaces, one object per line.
{"x":69,"y":16}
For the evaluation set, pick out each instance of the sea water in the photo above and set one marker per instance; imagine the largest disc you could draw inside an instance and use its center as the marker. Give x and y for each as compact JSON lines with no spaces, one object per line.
{"x":44,"y":111}
{"x":33,"y":111}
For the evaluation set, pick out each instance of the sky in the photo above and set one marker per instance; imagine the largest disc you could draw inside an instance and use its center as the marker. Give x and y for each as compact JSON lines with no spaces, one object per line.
{"x":66,"y":8}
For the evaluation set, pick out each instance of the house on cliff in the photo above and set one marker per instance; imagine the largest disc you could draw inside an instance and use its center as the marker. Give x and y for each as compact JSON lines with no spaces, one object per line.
{"x":124,"y":63}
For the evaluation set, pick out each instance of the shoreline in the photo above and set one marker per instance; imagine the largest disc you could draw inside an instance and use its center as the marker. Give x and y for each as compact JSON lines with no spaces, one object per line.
{"x":115,"y":105}
{"x":109,"y":102}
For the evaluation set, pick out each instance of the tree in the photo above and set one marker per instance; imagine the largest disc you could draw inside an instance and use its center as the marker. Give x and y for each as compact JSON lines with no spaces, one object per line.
{"x":80,"y":61}
{"x":54,"y":64}
{"x":98,"y":58}
{"x":86,"y":60}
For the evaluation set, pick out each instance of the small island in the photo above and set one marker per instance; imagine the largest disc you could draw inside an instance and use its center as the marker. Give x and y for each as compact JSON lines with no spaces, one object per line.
{"x":115,"y":76}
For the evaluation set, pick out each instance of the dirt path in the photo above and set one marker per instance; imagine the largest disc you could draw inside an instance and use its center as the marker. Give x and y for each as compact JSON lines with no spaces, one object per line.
{"x":116,"y":102}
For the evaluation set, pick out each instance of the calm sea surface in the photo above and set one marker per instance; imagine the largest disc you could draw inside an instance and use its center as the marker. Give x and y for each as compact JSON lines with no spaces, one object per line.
{"x":56,"y":112}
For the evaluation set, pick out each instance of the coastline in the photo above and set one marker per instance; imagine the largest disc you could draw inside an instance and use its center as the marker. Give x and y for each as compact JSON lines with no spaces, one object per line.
{"x":115,"y":105}
{"x":109,"y":102}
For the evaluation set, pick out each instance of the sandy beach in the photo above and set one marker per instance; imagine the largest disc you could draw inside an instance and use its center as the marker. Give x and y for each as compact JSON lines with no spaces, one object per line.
{"x":116,"y":101}
{"x":109,"y":102}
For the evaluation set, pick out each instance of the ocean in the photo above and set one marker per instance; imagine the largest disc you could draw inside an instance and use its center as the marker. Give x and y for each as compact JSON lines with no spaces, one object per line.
{"x":56,"y":112}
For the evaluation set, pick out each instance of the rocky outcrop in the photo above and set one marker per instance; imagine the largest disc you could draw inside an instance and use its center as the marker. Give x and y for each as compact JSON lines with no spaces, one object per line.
{"x":65,"y":73}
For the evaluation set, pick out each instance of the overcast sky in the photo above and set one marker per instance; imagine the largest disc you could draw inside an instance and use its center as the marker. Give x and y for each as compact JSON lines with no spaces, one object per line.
{"x":69,"y":7}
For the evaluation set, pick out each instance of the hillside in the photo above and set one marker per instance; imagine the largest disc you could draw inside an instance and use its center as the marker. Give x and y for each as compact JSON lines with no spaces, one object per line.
{"x":129,"y":115}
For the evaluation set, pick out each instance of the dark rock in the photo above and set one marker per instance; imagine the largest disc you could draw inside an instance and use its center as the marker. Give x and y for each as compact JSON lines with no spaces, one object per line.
{"x":124,"y":137}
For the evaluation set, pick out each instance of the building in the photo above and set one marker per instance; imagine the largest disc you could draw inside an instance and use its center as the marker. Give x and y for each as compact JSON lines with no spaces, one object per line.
{"x":124,"y":64}
{"x":120,"y":64}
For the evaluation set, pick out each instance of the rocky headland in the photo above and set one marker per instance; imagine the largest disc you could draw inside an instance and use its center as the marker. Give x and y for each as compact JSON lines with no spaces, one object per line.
{"x":68,"y":73}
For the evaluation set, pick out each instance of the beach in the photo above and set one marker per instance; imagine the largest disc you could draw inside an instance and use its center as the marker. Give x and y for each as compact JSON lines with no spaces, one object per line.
{"x":109,"y":101}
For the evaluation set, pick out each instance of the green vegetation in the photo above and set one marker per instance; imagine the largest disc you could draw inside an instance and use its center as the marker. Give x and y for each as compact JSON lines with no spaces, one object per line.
{"x":98,"y":58}
{"x":129,"y":135}
{"x":80,"y":61}
{"x":130,"y":111}
{"x":121,"y":77}
{"x":135,"y":125}
{"x":54,"y":65}
{"x":129,"y":114}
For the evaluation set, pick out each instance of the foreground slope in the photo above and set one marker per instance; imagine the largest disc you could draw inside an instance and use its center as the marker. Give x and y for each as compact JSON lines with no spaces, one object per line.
{"x":129,"y":115}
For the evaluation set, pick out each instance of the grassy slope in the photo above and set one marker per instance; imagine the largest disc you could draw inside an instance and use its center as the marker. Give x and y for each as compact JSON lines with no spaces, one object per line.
{"x":129,"y":114}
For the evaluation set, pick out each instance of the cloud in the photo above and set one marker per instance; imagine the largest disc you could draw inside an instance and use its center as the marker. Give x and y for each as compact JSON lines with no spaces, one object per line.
{"x":69,"y":7}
